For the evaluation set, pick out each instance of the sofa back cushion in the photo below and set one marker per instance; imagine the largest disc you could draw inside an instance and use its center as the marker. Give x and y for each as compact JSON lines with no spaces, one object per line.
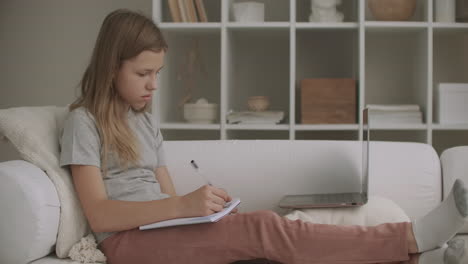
{"x":455,"y":166}
{"x":260,"y":172}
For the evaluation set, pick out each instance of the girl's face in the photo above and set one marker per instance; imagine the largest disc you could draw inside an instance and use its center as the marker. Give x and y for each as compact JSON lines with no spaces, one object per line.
{"x":136,"y":78}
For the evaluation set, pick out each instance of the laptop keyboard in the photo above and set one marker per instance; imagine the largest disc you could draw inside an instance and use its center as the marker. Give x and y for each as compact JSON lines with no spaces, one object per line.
{"x":335,"y":198}
{"x":326,"y":198}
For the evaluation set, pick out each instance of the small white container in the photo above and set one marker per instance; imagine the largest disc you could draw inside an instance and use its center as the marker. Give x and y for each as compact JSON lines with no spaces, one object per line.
{"x":200,"y":113}
{"x":445,"y":11}
{"x":249,"y":12}
{"x":452,"y":103}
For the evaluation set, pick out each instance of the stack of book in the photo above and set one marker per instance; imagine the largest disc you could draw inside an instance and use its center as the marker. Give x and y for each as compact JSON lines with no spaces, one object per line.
{"x":250,"y":117}
{"x":187,"y":11}
{"x":394,"y":114}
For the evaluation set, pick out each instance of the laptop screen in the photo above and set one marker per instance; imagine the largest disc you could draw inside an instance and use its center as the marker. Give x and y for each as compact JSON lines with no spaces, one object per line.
{"x":365,"y":151}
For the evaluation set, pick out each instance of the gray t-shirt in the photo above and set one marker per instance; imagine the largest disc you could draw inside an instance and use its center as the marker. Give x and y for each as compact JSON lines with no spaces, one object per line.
{"x":81,"y":145}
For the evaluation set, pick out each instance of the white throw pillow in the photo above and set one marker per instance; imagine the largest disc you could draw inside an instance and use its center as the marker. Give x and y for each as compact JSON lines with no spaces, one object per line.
{"x":30,"y":213}
{"x":378,"y":210}
{"x":34,"y":132}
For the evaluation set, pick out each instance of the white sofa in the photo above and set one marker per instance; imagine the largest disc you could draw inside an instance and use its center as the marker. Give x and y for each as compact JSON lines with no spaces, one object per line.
{"x":259,"y":172}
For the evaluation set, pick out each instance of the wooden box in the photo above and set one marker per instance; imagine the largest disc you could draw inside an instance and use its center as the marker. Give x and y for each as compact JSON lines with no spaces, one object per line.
{"x":328,"y":101}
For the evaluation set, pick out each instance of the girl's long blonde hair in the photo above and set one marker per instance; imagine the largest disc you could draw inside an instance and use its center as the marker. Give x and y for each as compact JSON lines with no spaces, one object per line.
{"x":123,"y":35}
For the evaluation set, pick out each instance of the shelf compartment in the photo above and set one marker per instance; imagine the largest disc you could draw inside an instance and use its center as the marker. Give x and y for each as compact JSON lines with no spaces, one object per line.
{"x":173,"y":83}
{"x":396,"y":68}
{"x":421,"y":12}
{"x":442,"y":140}
{"x":325,"y":54}
{"x":258,"y":68}
{"x":212,"y":8}
{"x":327,"y":135}
{"x":349,"y":8}
{"x":450,"y":61}
{"x":275,"y":11}
{"x":257,"y":134}
{"x":177,"y":134}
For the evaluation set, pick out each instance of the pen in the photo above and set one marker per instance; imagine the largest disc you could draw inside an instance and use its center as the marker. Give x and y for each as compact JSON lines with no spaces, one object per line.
{"x":195,"y":166}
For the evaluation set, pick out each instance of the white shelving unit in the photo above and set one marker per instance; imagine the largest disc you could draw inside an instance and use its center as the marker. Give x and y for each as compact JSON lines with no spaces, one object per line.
{"x":393,"y":63}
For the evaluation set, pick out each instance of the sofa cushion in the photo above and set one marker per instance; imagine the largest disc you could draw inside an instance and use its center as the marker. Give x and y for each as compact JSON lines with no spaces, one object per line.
{"x":34,"y":132}
{"x":30,"y":213}
{"x":377,"y":211}
{"x":455,"y":166}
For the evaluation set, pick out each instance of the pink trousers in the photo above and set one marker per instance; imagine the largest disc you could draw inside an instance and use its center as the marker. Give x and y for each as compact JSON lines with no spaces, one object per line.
{"x":259,"y":235}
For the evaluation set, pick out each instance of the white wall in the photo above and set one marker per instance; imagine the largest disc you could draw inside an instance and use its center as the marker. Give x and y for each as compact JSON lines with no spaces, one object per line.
{"x":45,"y":46}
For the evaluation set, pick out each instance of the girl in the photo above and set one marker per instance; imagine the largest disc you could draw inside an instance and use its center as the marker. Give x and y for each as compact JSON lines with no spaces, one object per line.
{"x":116,"y":156}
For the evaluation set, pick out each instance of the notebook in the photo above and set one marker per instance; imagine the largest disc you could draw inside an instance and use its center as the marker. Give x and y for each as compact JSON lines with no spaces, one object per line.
{"x":195,"y":220}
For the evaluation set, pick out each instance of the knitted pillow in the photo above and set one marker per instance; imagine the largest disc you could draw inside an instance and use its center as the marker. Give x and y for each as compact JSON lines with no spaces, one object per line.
{"x":34,"y":132}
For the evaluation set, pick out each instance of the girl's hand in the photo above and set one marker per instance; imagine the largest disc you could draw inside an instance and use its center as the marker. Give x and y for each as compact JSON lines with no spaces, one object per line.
{"x":235,"y":210}
{"x":204,"y":201}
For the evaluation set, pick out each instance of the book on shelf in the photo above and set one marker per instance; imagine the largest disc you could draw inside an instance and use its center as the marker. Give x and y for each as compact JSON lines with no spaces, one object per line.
{"x":394,"y":114}
{"x":183,"y":10}
{"x":175,"y":10}
{"x":195,"y":220}
{"x":393,"y":107}
{"x":201,"y":11}
{"x":191,"y":11}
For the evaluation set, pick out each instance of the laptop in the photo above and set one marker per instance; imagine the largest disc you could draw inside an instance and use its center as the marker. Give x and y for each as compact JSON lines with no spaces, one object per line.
{"x":337,"y":199}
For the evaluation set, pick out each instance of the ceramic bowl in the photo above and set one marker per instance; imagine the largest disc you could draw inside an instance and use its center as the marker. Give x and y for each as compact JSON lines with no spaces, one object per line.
{"x":200,"y":113}
{"x":258,"y":103}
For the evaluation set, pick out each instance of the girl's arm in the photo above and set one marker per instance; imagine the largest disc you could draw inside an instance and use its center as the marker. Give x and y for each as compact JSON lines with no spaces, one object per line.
{"x":106,"y":215}
{"x":164,"y":179}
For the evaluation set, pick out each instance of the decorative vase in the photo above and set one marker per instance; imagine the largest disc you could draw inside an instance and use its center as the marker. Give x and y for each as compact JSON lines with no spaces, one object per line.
{"x":392,"y":10}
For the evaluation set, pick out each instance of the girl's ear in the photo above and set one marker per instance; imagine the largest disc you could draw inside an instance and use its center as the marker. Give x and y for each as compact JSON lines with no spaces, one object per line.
{"x":114,"y":74}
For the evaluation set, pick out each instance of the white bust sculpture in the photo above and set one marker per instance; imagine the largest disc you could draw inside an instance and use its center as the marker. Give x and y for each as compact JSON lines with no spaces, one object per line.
{"x":325,"y":11}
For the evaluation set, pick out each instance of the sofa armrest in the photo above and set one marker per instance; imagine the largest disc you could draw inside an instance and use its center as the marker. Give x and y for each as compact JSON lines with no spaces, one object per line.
{"x":454,"y":166}
{"x":30,"y":212}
